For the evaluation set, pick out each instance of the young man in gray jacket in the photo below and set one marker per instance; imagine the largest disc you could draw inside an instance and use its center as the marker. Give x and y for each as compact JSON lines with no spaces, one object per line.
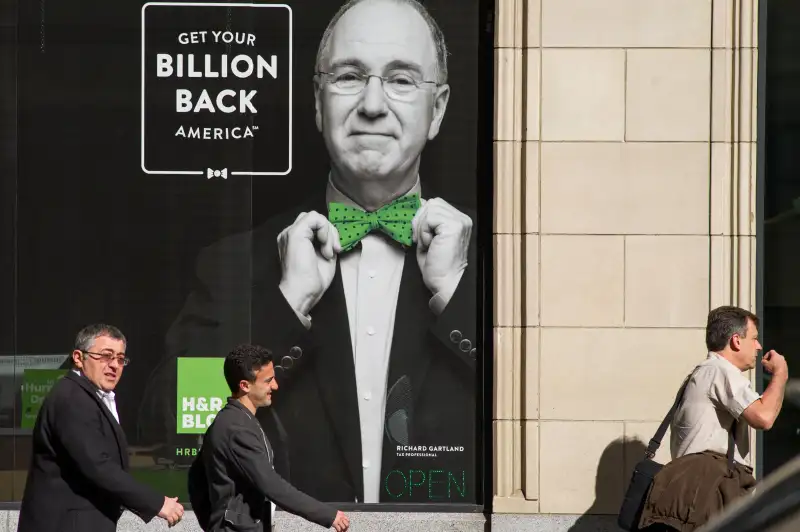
{"x":232,"y":483}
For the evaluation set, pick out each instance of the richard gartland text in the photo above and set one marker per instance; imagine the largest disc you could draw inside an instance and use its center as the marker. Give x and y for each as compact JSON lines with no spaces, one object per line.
{"x":427,"y":450}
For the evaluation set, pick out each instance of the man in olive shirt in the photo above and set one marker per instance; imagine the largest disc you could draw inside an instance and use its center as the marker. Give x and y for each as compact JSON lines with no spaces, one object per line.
{"x":719,"y":393}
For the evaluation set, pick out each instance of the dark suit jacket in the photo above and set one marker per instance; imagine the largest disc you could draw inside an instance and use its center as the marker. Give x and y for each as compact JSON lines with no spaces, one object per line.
{"x":78,"y":479}
{"x":234,"y":470}
{"x":431,"y":383}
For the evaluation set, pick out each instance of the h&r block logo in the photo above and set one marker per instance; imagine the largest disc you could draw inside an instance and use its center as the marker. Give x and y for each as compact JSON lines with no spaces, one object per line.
{"x":202,"y":392}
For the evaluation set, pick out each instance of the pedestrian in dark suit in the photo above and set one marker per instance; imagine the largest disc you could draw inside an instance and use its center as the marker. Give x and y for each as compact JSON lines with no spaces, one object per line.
{"x":232,"y":483}
{"x":367,"y":293}
{"x":78,"y":479}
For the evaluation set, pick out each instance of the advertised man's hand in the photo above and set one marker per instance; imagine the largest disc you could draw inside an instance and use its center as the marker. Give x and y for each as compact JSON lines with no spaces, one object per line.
{"x":307,"y":251}
{"x":775,"y":363}
{"x":442,"y":234}
{"x":341,"y":523}
{"x":172,"y":511}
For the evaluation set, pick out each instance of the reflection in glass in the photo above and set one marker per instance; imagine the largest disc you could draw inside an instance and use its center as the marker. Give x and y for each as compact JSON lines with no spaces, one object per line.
{"x":781,"y":230}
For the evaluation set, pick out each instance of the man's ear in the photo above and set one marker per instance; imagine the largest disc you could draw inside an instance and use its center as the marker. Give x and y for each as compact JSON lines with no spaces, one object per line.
{"x":736,"y":342}
{"x":244,"y":386}
{"x":77,"y":359}
{"x":318,"y":102}
{"x":439,"y":107}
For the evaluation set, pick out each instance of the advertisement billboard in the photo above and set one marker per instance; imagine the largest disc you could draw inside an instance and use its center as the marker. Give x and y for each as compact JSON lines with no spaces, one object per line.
{"x":300,"y":175}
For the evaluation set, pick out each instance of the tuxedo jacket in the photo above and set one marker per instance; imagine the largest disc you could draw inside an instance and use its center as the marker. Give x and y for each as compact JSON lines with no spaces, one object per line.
{"x":232,"y":480}
{"x":78,"y":478}
{"x":431,"y":385}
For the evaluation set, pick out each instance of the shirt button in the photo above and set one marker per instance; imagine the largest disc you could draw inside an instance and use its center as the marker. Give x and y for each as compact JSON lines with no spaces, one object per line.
{"x":465,"y":345}
{"x":455,"y":336}
{"x":367,"y":396}
{"x":370,"y":331}
{"x":372,"y":274}
{"x":365,"y":464}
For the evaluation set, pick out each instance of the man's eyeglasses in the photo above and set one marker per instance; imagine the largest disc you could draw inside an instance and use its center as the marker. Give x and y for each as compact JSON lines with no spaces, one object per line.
{"x":108,"y":357}
{"x":398,"y":86}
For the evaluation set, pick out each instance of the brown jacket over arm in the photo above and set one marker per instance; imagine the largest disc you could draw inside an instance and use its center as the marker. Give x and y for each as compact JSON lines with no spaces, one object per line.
{"x":690,"y":490}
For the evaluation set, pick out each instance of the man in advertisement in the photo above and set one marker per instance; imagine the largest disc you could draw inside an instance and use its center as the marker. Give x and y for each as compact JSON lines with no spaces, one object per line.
{"x":78,"y":478}
{"x":367,"y":292}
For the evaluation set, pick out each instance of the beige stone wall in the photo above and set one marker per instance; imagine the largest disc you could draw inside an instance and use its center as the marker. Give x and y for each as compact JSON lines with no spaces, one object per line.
{"x":624,"y":210}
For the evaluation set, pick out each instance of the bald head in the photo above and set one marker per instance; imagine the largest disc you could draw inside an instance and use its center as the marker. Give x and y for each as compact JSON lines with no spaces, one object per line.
{"x":374,"y":8}
{"x":375,"y":130}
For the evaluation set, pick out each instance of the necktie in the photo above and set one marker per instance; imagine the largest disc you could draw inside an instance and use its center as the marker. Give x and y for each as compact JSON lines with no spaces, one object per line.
{"x":393,"y":219}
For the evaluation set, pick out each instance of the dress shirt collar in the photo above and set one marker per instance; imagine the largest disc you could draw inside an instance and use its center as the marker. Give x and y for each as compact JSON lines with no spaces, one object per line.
{"x":105,"y":395}
{"x":101,"y":393}
{"x":333,"y":194}
{"x":714,"y":355}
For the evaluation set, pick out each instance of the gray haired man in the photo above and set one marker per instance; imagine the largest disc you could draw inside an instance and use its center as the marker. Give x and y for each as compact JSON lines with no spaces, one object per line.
{"x":78,"y":478}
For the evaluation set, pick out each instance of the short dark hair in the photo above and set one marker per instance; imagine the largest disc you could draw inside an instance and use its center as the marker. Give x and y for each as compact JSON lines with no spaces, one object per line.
{"x":243,"y":362}
{"x":724,"y":322}
{"x":86,"y":336}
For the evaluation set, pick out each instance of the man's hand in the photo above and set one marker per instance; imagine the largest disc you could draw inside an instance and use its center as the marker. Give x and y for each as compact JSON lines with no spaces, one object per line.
{"x":307,"y":250}
{"x":172,"y":511}
{"x":775,"y":364}
{"x":341,"y":523}
{"x":762,"y":413}
{"x":442,"y":234}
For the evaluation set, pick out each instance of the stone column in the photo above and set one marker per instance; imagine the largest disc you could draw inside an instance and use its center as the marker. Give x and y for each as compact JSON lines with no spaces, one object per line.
{"x":624,"y":210}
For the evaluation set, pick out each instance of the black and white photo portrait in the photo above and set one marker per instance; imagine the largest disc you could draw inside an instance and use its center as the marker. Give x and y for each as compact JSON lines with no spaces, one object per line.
{"x":305,"y":179}
{"x":366,"y":293}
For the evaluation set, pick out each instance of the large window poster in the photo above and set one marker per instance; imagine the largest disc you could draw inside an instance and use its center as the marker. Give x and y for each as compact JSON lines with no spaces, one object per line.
{"x":301,"y":175}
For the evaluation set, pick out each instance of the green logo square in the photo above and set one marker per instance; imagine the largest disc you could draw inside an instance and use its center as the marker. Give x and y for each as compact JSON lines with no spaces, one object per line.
{"x":202,"y":392}
{"x":36,"y":384}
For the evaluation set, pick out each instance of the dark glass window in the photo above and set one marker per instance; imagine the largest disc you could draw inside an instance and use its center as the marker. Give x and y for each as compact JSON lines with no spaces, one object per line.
{"x":780,"y":233}
{"x":185,"y":264}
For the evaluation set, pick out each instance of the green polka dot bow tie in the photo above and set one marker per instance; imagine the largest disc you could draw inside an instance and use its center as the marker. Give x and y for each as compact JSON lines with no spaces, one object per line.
{"x":393,"y":219}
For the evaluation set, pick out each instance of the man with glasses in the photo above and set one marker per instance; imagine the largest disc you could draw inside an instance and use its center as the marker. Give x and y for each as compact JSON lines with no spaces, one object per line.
{"x":78,"y":478}
{"x":369,"y":296}
{"x":380,"y":95}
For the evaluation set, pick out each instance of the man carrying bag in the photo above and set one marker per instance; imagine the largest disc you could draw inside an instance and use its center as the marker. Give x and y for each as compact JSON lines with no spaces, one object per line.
{"x":709,"y":432}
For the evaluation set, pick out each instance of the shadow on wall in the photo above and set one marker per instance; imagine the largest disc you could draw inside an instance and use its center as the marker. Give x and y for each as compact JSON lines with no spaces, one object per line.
{"x":613,"y":474}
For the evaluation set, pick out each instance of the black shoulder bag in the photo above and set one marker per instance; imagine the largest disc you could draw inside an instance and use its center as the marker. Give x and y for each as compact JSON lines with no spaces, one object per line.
{"x":645,"y":471}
